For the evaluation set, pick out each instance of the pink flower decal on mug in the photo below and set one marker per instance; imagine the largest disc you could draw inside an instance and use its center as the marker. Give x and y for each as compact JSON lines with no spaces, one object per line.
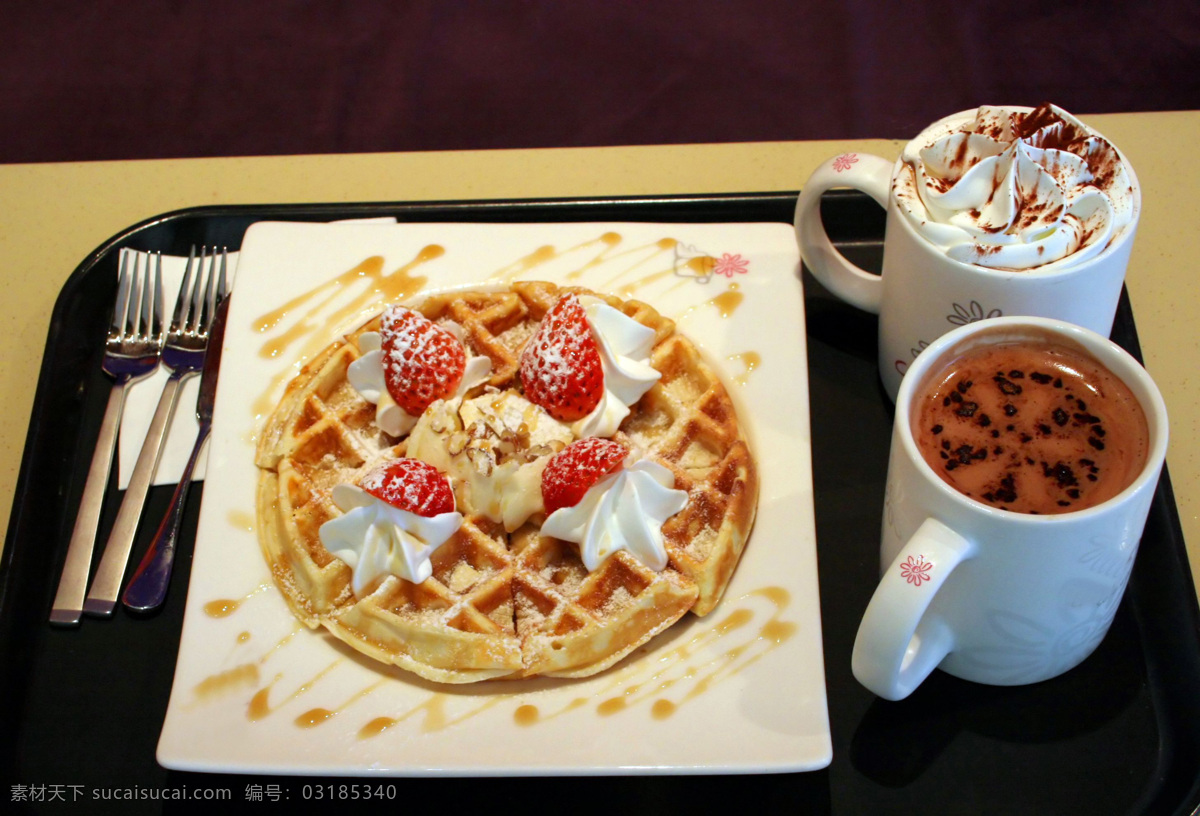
{"x":843,"y":162}
{"x":916,"y":570}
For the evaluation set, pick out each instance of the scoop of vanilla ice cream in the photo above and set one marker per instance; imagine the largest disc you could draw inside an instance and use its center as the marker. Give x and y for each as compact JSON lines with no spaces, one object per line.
{"x":494,"y":447}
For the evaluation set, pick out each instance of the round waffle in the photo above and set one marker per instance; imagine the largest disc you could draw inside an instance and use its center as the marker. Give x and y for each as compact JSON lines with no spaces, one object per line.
{"x":505,"y":603}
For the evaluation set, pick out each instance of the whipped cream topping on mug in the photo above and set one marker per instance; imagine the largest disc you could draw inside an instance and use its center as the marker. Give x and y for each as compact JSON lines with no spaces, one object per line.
{"x":1016,"y":189}
{"x":377,"y":539}
{"x":623,"y":511}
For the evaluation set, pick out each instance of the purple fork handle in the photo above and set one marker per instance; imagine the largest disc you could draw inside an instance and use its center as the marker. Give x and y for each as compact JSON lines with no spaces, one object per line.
{"x":147,"y":589}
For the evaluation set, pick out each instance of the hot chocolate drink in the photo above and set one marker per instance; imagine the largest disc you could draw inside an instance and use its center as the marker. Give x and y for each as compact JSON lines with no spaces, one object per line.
{"x":1031,"y":427}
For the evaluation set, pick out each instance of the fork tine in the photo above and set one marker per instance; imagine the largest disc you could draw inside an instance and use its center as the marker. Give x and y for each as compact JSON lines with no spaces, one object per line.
{"x":145,"y":302}
{"x":117,"y":326}
{"x":134,"y":305}
{"x":201,"y":308}
{"x":192,"y":313}
{"x":156,"y":317}
{"x":182,"y":301}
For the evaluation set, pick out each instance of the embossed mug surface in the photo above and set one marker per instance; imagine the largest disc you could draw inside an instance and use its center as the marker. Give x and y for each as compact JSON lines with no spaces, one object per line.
{"x":986,"y":594}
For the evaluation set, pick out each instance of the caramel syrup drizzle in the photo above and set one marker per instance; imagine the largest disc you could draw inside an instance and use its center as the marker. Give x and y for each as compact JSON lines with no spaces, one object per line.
{"x":260,"y":706}
{"x":604,"y":247}
{"x":628,"y":688}
{"x":633,"y":686}
{"x":224,"y":607}
{"x":728,"y":301}
{"x":243,"y":674}
{"x":303,"y":309}
{"x":241,"y":519}
{"x":315,"y":716}
{"x":436,"y":717}
{"x":306,"y":317}
{"x":606,"y":254}
{"x":750,"y":360}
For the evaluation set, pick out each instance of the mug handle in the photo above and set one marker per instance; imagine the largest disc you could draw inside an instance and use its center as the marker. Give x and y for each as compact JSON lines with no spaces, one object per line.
{"x":898,"y":644}
{"x":861,"y":171}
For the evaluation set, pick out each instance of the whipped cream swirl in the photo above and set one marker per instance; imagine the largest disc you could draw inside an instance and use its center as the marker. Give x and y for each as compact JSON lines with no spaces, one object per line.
{"x":366,"y":376}
{"x":377,"y":539}
{"x":624,"y":346}
{"x":1016,"y":189}
{"x":623,"y":511}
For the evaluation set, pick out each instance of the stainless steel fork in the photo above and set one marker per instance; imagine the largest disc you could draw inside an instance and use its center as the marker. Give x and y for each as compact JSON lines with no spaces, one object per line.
{"x":147,"y":589}
{"x":132,"y":350}
{"x":183,"y":356}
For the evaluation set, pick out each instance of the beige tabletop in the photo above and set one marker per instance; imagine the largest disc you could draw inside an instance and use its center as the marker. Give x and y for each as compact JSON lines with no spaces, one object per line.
{"x":53,"y":215}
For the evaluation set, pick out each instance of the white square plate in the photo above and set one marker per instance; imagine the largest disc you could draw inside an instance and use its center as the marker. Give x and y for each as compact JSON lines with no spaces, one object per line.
{"x":740,"y":690}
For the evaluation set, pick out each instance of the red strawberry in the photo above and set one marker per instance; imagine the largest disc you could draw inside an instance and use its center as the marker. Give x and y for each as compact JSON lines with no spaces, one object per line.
{"x":560,"y":367}
{"x":422,"y":362}
{"x":411,"y":485}
{"x":572,"y":471}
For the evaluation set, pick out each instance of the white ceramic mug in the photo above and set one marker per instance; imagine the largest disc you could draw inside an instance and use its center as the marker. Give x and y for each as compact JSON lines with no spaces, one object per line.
{"x":989,"y":595}
{"x":922,"y":293}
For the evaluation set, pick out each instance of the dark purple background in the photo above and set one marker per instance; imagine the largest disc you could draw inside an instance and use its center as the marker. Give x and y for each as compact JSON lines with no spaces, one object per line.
{"x":123,"y":79}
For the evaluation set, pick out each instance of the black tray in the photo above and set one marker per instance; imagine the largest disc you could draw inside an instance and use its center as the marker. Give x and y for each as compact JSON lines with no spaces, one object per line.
{"x":80,"y":709}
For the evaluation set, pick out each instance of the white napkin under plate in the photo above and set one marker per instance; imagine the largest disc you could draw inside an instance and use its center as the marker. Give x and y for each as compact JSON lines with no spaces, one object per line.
{"x":142,"y":399}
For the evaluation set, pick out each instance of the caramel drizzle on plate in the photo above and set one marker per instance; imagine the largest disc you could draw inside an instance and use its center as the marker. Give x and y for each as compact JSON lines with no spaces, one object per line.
{"x":224,"y":607}
{"x":671,"y":681}
{"x":304,"y":317}
{"x":750,"y":360}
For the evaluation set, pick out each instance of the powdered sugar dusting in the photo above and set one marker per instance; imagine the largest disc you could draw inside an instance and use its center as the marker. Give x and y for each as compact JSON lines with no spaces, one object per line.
{"x":421,"y":361}
{"x":548,"y":358}
{"x":560,"y":366}
{"x":411,"y":485}
{"x":572,"y":471}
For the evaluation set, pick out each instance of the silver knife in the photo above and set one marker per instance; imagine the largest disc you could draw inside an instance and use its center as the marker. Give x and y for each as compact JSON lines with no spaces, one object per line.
{"x":148,"y":587}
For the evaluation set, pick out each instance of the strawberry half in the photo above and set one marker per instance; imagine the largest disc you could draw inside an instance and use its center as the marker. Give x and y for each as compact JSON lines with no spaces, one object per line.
{"x":411,"y":485}
{"x":422,"y":362}
{"x":571,"y":472}
{"x":560,"y":366}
